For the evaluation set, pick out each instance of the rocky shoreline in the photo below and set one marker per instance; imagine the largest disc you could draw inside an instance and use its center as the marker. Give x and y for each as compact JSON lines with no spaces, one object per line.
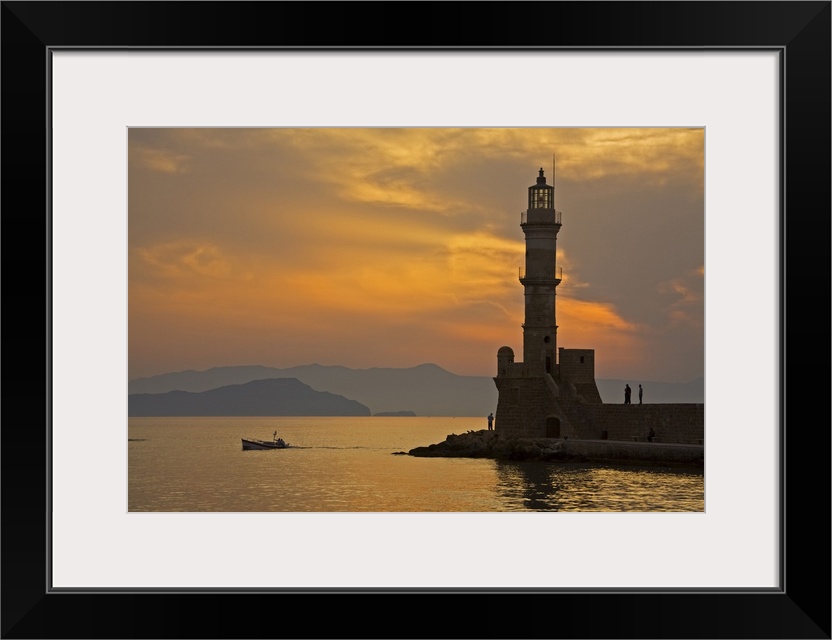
{"x":489,"y":444}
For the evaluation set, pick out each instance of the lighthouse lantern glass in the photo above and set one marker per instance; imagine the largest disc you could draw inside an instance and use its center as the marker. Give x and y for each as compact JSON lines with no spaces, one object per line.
{"x":541,"y":198}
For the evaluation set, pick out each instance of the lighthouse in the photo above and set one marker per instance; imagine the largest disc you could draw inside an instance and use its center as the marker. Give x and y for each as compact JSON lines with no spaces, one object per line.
{"x":540,"y":277}
{"x":552,"y":394}
{"x":537,"y":397}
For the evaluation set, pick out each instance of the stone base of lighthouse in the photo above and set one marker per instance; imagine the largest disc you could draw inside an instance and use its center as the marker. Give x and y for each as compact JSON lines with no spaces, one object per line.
{"x":537,"y":404}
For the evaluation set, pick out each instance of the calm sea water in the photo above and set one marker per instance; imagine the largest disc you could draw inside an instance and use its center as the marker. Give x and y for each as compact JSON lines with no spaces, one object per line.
{"x":347,"y":464}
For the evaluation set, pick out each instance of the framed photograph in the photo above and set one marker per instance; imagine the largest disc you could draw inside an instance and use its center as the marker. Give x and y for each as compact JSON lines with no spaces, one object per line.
{"x":85,"y":81}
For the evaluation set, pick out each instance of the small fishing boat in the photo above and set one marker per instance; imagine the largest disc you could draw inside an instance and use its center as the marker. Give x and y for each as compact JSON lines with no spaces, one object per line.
{"x":252,"y":444}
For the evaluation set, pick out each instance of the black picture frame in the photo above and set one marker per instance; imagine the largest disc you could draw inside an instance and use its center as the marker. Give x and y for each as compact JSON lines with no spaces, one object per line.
{"x":799,"y":31}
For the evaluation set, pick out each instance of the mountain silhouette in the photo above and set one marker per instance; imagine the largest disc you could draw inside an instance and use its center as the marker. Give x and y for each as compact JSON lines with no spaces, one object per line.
{"x":426,"y":389}
{"x":269,"y":397}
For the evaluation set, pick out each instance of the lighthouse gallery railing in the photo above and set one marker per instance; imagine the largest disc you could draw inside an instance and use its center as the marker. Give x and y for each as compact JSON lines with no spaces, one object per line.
{"x":557,"y":275}
{"x":524,"y":215}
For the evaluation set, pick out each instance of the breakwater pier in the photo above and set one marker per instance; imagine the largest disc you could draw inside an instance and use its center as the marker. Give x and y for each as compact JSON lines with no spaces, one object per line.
{"x":492,"y":444}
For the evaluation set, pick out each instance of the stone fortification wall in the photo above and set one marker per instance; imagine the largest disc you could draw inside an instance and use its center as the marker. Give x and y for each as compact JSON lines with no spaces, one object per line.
{"x":576,"y":369}
{"x":577,"y":365}
{"x":535,"y":407}
{"x":586,"y":391}
{"x":523,"y":407}
{"x":674,"y":423}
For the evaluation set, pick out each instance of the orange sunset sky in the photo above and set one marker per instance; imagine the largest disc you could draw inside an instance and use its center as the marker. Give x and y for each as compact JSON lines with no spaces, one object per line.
{"x":395,"y":247}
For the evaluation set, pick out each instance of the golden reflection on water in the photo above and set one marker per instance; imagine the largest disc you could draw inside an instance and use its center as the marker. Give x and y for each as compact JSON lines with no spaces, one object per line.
{"x":529,"y":486}
{"x":347,"y":465}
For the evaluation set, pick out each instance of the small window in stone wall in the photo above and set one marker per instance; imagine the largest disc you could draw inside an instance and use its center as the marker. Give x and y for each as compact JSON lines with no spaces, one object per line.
{"x":582,"y":359}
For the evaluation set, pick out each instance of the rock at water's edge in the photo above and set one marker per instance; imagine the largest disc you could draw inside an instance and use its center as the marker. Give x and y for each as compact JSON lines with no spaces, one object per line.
{"x":488,"y":444}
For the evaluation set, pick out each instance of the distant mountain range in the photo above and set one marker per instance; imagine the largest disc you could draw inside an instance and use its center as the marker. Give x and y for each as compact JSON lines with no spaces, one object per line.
{"x":271,"y":397}
{"x":425,"y":390}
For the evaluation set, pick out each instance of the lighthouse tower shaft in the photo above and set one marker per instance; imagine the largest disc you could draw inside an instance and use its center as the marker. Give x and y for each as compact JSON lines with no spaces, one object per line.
{"x":540,"y":278}
{"x":546,"y":395}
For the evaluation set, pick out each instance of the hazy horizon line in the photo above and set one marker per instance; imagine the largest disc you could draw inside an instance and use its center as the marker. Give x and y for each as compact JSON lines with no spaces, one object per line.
{"x":424,"y":364}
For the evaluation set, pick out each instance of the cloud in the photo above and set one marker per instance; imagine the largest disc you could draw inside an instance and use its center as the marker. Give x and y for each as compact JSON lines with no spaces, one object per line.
{"x":184,"y":259}
{"x":652,"y":154}
{"x":160,"y":160}
{"x":394,"y":240}
{"x":408,"y":167}
{"x":687,"y":296}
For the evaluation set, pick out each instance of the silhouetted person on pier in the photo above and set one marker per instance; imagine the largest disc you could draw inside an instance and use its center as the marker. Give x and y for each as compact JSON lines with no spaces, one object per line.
{"x":640,"y":393}
{"x":627,"y":392}
{"x":490,"y":421}
{"x":650,"y":435}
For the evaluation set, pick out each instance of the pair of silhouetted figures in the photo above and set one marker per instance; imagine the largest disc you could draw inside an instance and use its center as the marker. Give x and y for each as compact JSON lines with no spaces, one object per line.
{"x":628,"y":392}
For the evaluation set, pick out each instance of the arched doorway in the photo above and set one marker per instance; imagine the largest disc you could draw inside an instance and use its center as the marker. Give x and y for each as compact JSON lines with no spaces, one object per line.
{"x":552,"y":427}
